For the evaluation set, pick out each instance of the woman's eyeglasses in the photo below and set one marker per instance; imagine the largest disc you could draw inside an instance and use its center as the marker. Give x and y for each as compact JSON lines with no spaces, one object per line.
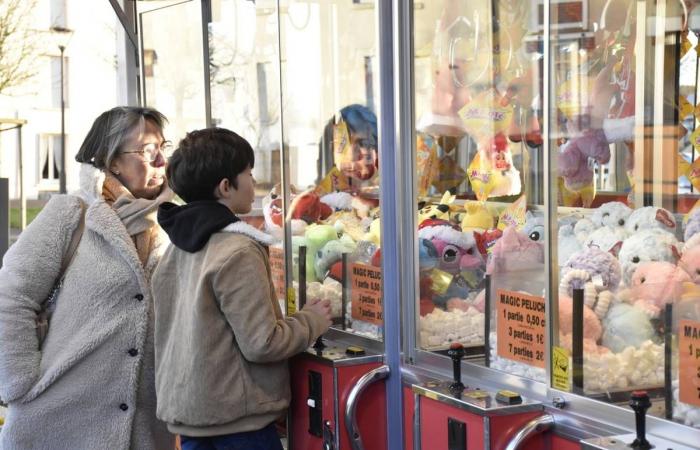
{"x":150,"y":152}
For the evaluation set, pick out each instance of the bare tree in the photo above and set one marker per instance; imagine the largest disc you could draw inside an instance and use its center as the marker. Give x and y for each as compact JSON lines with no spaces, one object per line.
{"x":18,"y":43}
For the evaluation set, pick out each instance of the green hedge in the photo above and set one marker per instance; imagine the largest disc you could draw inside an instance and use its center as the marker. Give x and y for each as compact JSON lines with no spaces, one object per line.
{"x":15,"y":219}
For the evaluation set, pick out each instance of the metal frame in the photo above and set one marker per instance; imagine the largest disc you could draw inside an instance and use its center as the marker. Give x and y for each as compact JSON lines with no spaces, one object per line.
{"x":391,"y":161}
{"x":581,"y":417}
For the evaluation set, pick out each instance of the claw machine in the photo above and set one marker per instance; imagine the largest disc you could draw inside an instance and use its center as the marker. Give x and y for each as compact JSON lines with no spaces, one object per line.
{"x":330,"y":100}
{"x":550,"y":234}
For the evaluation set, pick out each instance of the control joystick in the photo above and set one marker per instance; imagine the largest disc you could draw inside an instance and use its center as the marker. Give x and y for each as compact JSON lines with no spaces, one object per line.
{"x":456,"y":352}
{"x":640,"y":403}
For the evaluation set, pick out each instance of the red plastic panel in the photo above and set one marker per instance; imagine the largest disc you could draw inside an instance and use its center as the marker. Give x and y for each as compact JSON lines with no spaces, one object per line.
{"x":433,"y":425}
{"x":409,"y":411}
{"x":559,"y":443}
{"x":300,"y":438}
{"x":503,"y":428}
{"x":371,"y":409}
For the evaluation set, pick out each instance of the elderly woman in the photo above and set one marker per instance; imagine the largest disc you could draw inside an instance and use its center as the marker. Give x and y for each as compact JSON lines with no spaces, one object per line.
{"x":90,"y":384}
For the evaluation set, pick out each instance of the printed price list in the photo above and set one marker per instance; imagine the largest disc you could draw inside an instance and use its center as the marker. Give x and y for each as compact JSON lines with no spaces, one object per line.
{"x":521,"y":325}
{"x":689,"y":361}
{"x":277,"y":271}
{"x":366,"y":293}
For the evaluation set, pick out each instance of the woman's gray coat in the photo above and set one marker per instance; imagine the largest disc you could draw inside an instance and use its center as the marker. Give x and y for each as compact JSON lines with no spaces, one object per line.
{"x":92,"y":386}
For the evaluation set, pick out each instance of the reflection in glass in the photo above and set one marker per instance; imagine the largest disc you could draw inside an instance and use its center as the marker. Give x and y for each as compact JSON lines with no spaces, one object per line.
{"x":173,"y":68}
{"x":329,"y":92}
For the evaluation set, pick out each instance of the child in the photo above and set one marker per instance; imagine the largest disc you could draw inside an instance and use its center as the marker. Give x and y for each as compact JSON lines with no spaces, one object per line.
{"x":221,"y":342}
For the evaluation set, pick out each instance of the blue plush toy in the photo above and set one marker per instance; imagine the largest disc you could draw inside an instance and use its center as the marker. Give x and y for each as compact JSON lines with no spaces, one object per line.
{"x":624,"y":326}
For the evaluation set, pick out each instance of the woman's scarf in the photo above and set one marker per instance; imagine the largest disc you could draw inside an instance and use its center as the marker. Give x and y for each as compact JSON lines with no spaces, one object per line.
{"x":137,"y":214}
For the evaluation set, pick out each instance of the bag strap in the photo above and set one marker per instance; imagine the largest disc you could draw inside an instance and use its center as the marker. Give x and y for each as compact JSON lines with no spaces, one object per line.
{"x":75,"y":240}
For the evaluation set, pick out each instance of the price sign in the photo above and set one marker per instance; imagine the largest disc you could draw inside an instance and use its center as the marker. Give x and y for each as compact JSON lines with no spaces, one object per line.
{"x":561,"y":369}
{"x":521,"y":325}
{"x":366,"y":293}
{"x":277,"y":271}
{"x":689,"y":364}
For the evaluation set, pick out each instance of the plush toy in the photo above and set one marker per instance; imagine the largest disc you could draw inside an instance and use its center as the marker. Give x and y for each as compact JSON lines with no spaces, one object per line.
{"x":692,"y":226}
{"x":534,"y":226}
{"x":651,"y":217}
{"x":592,"y":327}
{"x":611,"y":215}
{"x":339,"y":201}
{"x":373,"y":235}
{"x":308,"y":207}
{"x":514,"y":251}
{"x":427,"y":255}
{"x":486,"y":240}
{"x":457,"y":250}
{"x":316,"y":236}
{"x":331,"y":252}
{"x":606,"y":239}
{"x":655,"y":284}
{"x":272,"y":212}
{"x":477,"y":217}
{"x":595,"y":271}
{"x":626,"y":325}
{"x":347,"y":222}
{"x":647,"y":245}
{"x":690,"y":262}
{"x":439,"y":211}
{"x":568,"y":243}
{"x":573,"y":162}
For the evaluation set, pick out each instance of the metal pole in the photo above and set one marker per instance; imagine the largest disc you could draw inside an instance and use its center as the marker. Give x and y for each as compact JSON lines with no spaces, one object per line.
{"x":4,"y":216}
{"x":62,"y":178}
{"x":22,"y":193}
{"x":389,"y":194}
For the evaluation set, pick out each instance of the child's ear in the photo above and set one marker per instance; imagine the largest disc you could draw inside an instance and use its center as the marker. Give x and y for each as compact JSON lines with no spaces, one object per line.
{"x":223,"y":189}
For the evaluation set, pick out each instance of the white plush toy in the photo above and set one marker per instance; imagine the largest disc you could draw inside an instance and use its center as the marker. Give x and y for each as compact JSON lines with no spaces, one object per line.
{"x":651,"y":217}
{"x":606,"y":238}
{"x":611,"y":215}
{"x":647,"y":245}
{"x":568,"y":243}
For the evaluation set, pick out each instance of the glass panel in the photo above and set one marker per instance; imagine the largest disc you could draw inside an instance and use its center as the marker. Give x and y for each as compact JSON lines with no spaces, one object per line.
{"x":244,"y":86}
{"x":480,"y":183}
{"x":173,"y":68}
{"x":329,"y":92}
{"x":623,"y":95}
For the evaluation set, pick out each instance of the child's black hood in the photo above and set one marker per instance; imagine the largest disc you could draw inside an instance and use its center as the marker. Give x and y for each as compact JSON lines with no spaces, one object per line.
{"x":190,"y":226}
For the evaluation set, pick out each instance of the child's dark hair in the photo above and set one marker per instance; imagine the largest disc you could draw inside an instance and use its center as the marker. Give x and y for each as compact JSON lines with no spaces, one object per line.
{"x":204,"y":158}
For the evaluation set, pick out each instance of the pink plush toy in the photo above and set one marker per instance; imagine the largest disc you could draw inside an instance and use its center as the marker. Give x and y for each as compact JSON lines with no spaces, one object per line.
{"x":457,"y":251}
{"x":592,"y":329}
{"x":514,"y":251}
{"x":656,"y":283}
{"x":574,"y":155}
{"x":690,"y":262}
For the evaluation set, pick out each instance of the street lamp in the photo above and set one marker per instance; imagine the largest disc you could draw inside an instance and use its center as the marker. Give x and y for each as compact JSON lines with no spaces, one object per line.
{"x":66,"y":34}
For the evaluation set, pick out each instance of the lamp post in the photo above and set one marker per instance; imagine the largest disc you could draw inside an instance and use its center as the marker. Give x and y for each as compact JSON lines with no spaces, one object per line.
{"x":66,"y":32}
{"x":62,"y":175}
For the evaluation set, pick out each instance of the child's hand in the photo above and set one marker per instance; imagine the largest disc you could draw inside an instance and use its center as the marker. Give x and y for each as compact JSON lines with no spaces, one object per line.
{"x":320,"y":307}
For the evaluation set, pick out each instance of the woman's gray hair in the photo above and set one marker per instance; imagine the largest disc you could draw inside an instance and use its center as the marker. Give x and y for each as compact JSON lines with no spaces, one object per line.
{"x":111,"y":130}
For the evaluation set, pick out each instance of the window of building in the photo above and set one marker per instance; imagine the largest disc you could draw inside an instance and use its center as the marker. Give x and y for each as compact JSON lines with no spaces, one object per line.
{"x":49,"y":158}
